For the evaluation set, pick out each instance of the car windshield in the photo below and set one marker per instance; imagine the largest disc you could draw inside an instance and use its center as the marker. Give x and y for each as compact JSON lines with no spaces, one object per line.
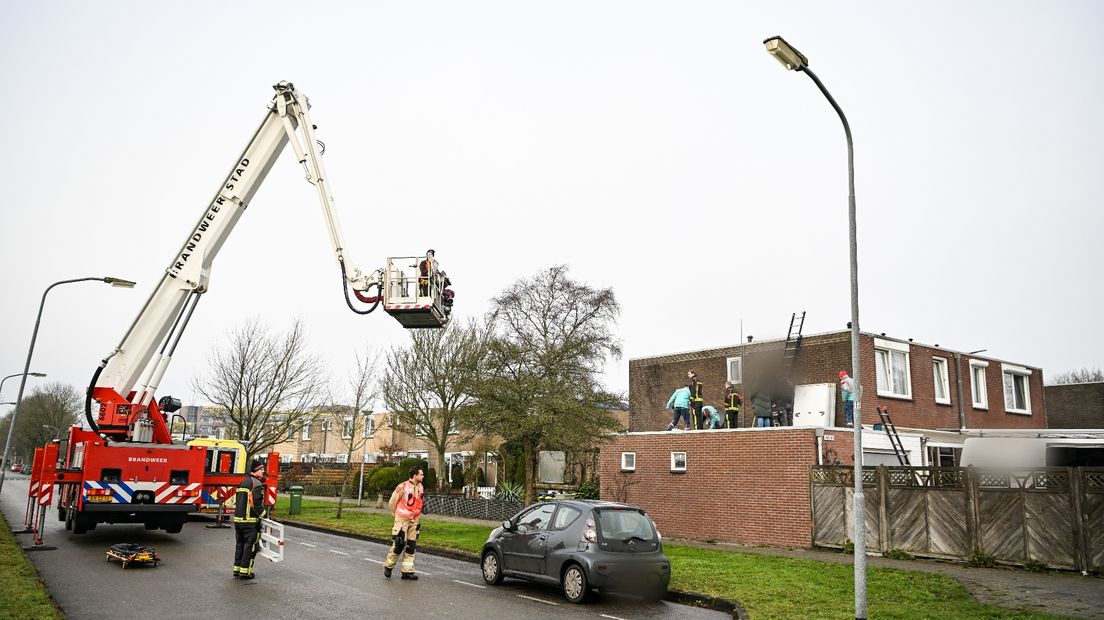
{"x":624,"y":525}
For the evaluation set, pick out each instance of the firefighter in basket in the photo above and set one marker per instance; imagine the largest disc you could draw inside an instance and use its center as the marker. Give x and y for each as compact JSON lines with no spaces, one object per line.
{"x":406,"y":503}
{"x":249,"y":509}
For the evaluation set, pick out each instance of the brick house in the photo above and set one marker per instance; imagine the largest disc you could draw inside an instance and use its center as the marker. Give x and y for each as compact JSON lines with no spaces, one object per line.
{"x":924,"y":386}
{"x":1075,"y":405}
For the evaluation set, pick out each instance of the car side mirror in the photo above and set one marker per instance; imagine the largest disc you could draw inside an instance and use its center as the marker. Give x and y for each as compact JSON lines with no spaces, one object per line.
{"x":506,"y":525}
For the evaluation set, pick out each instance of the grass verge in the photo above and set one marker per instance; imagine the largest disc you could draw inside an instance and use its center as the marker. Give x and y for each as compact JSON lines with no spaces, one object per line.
{"x":22,"y":593}
{"x":766,"y":586}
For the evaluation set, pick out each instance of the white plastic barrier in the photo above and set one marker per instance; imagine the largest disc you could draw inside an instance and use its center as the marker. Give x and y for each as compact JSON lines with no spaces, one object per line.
{"x":272,"y":540}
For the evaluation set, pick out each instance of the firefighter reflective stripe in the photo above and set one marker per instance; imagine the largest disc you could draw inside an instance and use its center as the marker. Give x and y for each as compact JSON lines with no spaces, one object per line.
{"x":243,"y":506}
{"x":732,"y":401}
{"x":696,"y":390}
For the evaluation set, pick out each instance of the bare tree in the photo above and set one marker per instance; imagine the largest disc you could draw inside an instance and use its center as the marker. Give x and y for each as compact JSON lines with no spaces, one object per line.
{"x":428,"y":384}
{"x":540,"y":384}
{"x":389,"y":449}
{"x":362,"y":392}
{"x":268,"y":384}
{"x":1082,"y":375}
{"x":45,"y":415}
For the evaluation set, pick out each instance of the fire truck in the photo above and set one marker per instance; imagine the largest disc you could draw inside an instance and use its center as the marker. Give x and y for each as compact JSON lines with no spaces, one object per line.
{"x":125,"y":466}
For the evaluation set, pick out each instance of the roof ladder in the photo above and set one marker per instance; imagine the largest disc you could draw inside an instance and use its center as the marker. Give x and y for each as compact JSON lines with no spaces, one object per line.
{"x":894,"y":438}
{"x":793,"y":343}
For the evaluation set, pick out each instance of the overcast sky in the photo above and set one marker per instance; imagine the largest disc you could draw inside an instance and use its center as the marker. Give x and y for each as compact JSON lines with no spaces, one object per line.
{"x":654,"y":147}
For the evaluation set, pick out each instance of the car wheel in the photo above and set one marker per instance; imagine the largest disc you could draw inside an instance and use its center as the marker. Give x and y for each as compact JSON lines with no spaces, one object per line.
{"x":575,"y":586}
{"x":492,"y":568}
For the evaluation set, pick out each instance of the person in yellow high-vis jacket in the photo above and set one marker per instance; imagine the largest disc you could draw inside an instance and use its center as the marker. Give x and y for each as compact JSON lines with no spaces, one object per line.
{"x":406,"y":503}
{"x":249,"y":509}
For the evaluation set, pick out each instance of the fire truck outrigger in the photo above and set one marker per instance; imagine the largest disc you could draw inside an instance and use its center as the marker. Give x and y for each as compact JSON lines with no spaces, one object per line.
{"x":126,"y":468}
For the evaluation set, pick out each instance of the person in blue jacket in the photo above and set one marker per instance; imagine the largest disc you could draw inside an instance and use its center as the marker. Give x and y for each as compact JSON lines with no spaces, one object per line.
{"x":680,"y":404}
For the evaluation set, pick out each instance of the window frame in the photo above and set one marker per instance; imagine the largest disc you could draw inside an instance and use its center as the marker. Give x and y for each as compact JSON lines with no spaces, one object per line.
{"x":983,"y":402}
{"x":674,"y":462}
{"x":887,"y":347}
{"x":305,"y":434}
{"x":1013,"y":371}
{"x":626,"y":467}
{"x":940,"y":373}
{"x":347,"y":427}
{"x":369,"y":426}
{"x":563,"y":508}
{"x":739,"y":378}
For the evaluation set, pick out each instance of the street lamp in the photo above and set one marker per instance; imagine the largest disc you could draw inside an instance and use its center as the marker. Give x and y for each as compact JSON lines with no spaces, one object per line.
{"x":117,"y":282}
{"x":794,"y":60}
{"x":56,"y":430}
{"x":30,"y":374}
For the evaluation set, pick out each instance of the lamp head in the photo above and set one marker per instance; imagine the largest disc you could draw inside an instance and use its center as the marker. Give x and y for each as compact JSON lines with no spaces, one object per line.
{"x":36,"y":374}
{"x":119,"y":282}
{"x":786,"y":54}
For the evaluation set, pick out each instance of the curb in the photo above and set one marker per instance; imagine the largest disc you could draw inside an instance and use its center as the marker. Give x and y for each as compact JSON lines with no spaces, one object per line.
{"x":682,"y":598}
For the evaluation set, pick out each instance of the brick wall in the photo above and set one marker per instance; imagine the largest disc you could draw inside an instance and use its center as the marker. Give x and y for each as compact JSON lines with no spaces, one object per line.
{"x":1075,"y":405}
{"x":822,"y":356}
{"x":748,"y":486}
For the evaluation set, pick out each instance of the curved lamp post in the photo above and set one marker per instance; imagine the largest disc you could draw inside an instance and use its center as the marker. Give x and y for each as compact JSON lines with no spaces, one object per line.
{"x":796,"y":61}
{"x":117,"y":282}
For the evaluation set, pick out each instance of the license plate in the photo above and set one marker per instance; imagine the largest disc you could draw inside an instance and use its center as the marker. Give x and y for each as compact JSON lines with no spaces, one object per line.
{"x":98,"y":498}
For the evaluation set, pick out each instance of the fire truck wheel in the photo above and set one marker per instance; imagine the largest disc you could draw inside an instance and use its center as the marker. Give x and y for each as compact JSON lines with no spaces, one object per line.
{"x":152,"y":525}
{"x":82,"y":523}
{"x":173,"y":525}
{"x":61,"y":513}
{"x":69,"y":519}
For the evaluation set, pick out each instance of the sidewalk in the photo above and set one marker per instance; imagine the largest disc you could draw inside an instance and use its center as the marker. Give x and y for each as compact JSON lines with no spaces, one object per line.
{"x":1061,"y":593}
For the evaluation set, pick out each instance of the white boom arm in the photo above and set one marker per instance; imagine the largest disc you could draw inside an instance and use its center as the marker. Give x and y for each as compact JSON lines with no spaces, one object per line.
{"x":165,"y":315}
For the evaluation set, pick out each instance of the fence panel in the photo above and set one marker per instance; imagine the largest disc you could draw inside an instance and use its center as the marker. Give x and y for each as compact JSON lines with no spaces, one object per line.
{"x":1050,"y":515}
{"x":947,"y":530}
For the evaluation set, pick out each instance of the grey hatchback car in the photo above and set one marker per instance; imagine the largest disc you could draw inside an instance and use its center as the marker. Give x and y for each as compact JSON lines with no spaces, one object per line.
{"x":580,"y":545}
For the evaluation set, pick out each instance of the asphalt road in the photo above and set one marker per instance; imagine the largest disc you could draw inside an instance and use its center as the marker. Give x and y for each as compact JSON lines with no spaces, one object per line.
{"x":322,"y":576}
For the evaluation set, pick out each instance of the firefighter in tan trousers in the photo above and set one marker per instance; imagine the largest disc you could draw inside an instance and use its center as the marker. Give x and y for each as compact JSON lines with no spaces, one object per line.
{"x":406,"y":503}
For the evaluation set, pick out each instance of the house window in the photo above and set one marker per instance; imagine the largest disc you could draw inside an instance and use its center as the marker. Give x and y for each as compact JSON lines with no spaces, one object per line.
{"x":306,"y":432}
{"x":1017,"y":395}
{"x":369,"y":426}
{"x":942,"y":383}
{"x":892,"y":363}
{"x":678,"y":461}
{"x":736,"y":369}
{"x":454,"y":426}
{"x":977,"y":384}
{"x":347,"y":428}
{"x":628,"y":461}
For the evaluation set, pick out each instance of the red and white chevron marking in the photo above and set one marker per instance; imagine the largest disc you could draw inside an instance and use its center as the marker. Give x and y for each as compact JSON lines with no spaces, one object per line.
{"x":45,"y":494}
{"x":178,"y":493}
{"x":408,"y":307}
{"x":270,"y":496}
{"x":34,"y":489}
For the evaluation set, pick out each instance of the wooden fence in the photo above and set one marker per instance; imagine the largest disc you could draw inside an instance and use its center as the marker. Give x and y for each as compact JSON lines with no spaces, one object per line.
{"x":1053,"y":516}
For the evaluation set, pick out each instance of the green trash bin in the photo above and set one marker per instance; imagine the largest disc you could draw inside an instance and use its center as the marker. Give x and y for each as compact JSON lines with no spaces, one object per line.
{"x":296,"y":493}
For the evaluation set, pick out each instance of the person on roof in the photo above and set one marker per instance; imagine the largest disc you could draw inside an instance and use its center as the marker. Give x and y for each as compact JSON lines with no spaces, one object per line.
{"x":680,"y":404}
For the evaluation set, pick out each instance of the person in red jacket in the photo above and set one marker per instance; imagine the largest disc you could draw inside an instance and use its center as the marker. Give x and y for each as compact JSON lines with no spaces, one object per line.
{"x":406,"y":503}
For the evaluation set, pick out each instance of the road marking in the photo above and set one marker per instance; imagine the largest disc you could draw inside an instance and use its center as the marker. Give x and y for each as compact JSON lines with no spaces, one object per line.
{"x":308,"y":545}
{"x":474,"y":585}
{"x":422,"y":572}
{"x":371,"y":560}
{"x":611,"y":617}
{"x":338,"y":552}
{"x":539,"y":600}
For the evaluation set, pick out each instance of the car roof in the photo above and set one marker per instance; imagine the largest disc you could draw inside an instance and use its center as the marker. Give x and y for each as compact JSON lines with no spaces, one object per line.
{"x":594,"y":504}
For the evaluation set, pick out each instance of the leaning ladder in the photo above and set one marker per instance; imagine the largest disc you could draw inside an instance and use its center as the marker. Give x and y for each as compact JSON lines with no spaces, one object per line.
{"x":894,"y":438}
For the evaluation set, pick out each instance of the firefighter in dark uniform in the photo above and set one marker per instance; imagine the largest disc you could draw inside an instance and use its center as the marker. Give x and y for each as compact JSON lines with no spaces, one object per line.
{"x":696,"y":400}
{"x":249,"y":509}
{"x":732,"y":402}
